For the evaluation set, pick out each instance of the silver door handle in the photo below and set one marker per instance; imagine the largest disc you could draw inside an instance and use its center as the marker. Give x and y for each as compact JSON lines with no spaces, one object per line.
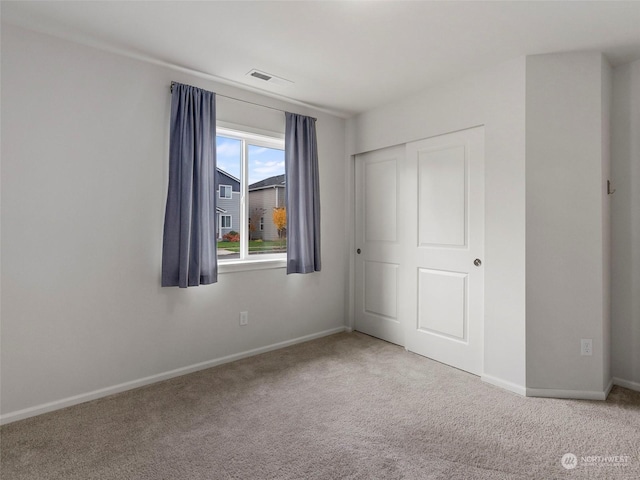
{"x":477,"y":262}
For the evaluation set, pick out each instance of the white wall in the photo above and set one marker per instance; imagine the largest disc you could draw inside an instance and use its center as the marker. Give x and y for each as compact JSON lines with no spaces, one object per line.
{"x":567,"y":214}
{"x":84,"y":179}
{"x":625,"y":206}
{"x":494,"y":98}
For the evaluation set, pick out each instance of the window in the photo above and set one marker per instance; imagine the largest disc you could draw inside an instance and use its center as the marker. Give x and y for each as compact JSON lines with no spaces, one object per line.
{"x":225,"y":191}
{"x":253,"y":166}
{"x":225,"y":221}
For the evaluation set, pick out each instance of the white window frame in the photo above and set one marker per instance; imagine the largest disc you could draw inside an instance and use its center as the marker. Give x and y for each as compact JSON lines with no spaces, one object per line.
{"x":225,"y":187}
{"x":259,"y":138}
{"x":221,"y":222}
{"x":262,"y":224}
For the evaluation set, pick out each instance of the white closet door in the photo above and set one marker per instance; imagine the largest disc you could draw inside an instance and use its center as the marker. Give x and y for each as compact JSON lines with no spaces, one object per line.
{"x":442,"y":194}
{"x":378,"y":236}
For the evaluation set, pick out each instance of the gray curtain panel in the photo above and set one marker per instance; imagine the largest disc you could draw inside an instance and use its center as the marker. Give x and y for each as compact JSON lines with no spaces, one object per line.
{"x":189,"y":254}
{"x":303,"y":194}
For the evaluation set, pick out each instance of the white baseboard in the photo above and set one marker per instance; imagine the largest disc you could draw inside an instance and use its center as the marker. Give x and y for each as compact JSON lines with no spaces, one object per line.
{"x":608,"y":389}
{"x":103,"y":392}
{"x":570,"y":394}
{"x":512,"y":387}
{"x":556,"y":393}
{"x":626,"y":384}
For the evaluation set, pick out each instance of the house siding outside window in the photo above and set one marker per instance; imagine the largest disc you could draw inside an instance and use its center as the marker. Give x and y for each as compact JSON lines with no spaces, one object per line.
{"x":267,"y":195}
{"x":228,"y":206}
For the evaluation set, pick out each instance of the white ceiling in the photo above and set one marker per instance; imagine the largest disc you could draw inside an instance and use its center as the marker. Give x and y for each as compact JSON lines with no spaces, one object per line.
{"x":344,"y":56}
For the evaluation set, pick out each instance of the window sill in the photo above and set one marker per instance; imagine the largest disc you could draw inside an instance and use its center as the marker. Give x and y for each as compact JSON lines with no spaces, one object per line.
{"x":249,"y":265}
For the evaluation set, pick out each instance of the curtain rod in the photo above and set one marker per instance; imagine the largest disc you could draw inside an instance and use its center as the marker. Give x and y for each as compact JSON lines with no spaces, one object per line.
{"x":243,"y":101}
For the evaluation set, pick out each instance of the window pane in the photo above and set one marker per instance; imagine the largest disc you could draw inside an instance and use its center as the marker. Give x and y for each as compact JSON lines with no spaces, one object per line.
{"x":229,"y":158}
{"x":266,"y":200}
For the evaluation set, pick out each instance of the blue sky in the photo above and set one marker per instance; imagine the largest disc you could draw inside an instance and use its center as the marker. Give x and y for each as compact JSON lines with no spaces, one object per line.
{"x":263,"y":162}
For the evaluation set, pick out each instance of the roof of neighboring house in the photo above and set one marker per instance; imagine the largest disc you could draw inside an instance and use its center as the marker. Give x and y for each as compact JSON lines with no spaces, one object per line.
{"x":224,"y":178}
{"x":271,"y":182}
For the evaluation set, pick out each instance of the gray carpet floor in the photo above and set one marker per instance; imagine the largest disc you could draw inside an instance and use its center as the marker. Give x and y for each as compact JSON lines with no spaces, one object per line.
{"x":345,"y":406}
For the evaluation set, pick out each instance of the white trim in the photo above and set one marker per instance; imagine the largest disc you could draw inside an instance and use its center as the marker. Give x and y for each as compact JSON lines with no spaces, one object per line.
{"x":236,"y":127}
{"x":221,"y":187}
{"x":350,"y":245}
{"x":122,"y":387}
{"x":608,"y":389}
{"x":220,"y":222}
{"x":275,"y":141}
{"x":233,"y":266}
{"x":247,"y":140}
{"x":569,"y":394}
{"x":626,"y":384}
{"x":257,"y":189}
{"x":498,"y":382}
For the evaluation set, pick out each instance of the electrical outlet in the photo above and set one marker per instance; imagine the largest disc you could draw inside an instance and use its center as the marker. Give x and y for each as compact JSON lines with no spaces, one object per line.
{"x":244,"y":318}
{"x":586,"y":346}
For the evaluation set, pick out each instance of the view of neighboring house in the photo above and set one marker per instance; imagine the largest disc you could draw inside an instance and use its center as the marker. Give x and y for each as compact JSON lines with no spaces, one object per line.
{"x":228,"y":203}
{"x":264,"y":196}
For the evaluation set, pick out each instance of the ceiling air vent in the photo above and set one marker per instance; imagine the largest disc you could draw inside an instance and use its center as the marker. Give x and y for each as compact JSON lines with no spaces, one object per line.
{"x":261,"y":76}
{"x":267,"y":77}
